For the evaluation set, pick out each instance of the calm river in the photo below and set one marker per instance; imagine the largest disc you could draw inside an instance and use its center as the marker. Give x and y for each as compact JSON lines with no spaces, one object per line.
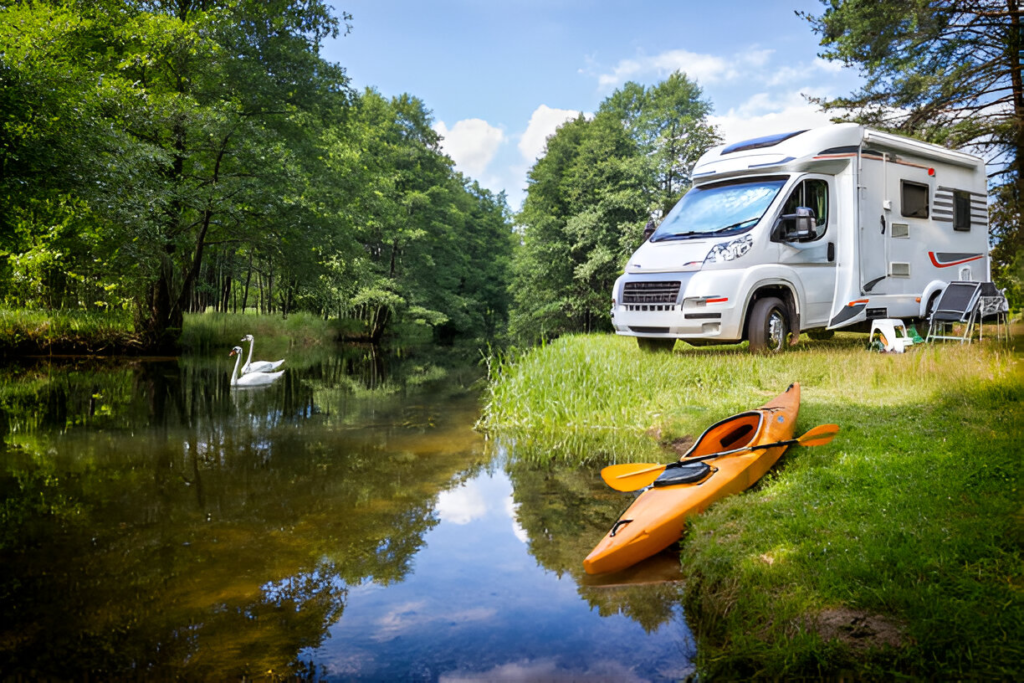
{"x":345,"y":523}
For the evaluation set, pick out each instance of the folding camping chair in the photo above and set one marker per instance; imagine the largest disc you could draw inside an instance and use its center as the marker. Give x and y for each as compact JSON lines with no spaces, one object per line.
{"x":956,"y":308}
{"x":992,"y":304}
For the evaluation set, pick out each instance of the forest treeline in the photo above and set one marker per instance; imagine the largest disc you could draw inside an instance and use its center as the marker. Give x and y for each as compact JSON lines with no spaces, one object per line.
{"x":165,"y":156}
{"x":180,"y":156}
{"x":173,"y":157}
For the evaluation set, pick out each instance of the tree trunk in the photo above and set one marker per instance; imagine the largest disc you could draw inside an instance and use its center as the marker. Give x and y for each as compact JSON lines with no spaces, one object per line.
{"x":259,"y":289}
{"x":270,"y":290}
{"x":1015,"y":48}
{"x":248,"y":280}
{"x":161,"y":322}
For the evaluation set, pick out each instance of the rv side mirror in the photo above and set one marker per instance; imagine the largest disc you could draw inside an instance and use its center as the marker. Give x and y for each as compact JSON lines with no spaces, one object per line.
{"x":649,"y":229}
{"x":799,"y":226}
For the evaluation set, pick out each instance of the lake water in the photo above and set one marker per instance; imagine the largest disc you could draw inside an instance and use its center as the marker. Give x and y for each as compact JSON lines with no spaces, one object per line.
{"x":346,"y":523}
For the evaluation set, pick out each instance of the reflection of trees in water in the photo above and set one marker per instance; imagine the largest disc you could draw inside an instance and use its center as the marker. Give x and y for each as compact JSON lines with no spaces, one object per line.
{"x":205,"y":533}
{"x":565,"y":512}
{"x":47,"y":395}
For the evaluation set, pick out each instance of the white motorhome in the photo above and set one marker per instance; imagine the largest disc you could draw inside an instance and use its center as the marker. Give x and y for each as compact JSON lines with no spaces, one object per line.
{"x":812,"y":230}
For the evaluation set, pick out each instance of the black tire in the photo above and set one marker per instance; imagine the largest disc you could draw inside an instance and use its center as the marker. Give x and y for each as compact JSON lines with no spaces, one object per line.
{"x":768,"y":328}
{"x":933,"y":301}
{"x":655,"y":345}
{"x":929,"y":309}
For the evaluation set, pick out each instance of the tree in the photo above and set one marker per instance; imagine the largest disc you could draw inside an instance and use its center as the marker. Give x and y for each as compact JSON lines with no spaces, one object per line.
{"x":946,"y":71}
{"x":175,"y":156}
{"x":415,"y":241}
{"x":591,"y":194}
{"x":668,"y":122}
{"x":193,"y":117}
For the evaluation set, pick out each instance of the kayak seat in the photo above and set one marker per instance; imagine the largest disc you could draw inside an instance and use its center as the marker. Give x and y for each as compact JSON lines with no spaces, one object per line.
{"x":683,"y":474}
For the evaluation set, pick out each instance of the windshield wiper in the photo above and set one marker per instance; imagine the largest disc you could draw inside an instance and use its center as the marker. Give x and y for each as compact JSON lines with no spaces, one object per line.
{"x":679,"y":236}
{"x":732,"y":227}
{"x":705,"y":233}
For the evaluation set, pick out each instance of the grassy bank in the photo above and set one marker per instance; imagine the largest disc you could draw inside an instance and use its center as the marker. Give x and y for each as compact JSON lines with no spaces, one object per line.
{"x":26,"y":332}
{"x":895,"y":549}
{"x":203,"y":332}
{"x":64,"y":332}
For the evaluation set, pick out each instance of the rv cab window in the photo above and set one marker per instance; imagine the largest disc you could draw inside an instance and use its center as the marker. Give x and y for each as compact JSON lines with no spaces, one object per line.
{"x":812,"y":194}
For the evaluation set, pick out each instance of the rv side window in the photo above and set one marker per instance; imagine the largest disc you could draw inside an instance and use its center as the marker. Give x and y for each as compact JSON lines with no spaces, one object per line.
{"x":813,"y":194}
{"x":914,"y":199}
{"x":961,"y":210}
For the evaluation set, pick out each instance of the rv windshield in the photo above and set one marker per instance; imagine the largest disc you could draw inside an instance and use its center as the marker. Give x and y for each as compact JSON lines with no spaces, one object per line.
{"x":725,"y":209}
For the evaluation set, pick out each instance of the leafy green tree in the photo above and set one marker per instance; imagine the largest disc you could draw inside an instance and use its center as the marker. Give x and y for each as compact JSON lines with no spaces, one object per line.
{"x":208,"y":103}
{"x":176,"y":156}
{"x":668,"y":121}
{"x":947,"y":72}
{"x":421,"y":243}
{"x":591,"y":194}
{"x":63,"y":149}
{"x":587,"y":202}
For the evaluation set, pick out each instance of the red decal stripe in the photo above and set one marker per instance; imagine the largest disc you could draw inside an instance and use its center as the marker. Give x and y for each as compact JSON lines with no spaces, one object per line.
{"x":935,"y":262}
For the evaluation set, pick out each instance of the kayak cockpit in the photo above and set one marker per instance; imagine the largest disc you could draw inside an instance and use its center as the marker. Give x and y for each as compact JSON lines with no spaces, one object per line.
{"x":738,"y":431}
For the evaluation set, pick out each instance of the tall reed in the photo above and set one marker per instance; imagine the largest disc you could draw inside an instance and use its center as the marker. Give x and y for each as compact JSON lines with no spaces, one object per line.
{"x":65,"y":330}
{"x":598,"y":397}
{"x":206,"y":331}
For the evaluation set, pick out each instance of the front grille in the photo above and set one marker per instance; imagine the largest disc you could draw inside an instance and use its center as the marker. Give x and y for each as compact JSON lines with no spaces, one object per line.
{"x":650,"y":307}
{"x":649,"y":330}
{"x":650,"y":292}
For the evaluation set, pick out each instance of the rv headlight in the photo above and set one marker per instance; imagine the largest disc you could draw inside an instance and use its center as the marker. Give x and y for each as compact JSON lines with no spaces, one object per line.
{"x":729,"y":251}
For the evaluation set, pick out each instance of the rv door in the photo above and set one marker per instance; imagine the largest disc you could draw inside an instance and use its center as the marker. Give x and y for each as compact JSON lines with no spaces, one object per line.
{"x":875,"y":220}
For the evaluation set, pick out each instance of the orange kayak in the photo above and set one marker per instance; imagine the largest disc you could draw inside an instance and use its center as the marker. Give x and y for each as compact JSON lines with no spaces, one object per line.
{"x":656,"y":518}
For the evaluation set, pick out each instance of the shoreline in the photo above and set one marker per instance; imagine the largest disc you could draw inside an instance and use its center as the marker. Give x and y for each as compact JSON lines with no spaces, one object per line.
{"x":855,"y":556}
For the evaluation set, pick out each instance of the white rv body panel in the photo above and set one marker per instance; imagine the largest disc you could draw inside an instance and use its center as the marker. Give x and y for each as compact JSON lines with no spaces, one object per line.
{"x":899,"y":219}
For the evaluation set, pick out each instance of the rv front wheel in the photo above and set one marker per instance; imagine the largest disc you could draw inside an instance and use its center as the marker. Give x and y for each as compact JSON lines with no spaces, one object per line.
{"x":769,"y":326}
{"x":651,"y":344}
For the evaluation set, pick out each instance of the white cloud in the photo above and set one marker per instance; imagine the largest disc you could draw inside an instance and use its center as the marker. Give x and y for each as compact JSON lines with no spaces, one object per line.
{"x":420,"y":615}
{"x":832,"y":67}
{"x":786,"y":74}
{"x":700,"y":67}
{"x":543,"y":124}
{"x":512,"y":510}
{"x":815,"y":69}
{"x":471,"y":143}
{"x":763,"y":114}
{"x":462,"y":505}
{"x":550,"y":669}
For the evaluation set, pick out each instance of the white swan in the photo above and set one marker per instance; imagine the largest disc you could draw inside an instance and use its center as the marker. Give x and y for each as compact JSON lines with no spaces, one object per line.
{"x":260,"y":365}
{"x":254,"y":379}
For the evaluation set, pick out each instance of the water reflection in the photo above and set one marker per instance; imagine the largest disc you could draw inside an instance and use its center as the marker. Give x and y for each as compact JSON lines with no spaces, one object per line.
{"x":158,"y":524}
{"x":565,"y":512}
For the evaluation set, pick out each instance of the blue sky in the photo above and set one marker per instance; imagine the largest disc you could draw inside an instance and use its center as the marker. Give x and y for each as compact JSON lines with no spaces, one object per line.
{"x":500,"y":76}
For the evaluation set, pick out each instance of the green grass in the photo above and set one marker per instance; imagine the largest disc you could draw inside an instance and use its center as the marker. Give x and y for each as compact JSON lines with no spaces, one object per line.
{"x":66,"y":330}
{"x":895,"y":550}
{"x":72,"y":331}
{"x":206,"y":331}
{"x":598,"y":398}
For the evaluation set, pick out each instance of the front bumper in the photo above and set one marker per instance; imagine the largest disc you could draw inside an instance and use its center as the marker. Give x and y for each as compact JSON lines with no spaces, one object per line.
{"x":694,"y":314}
